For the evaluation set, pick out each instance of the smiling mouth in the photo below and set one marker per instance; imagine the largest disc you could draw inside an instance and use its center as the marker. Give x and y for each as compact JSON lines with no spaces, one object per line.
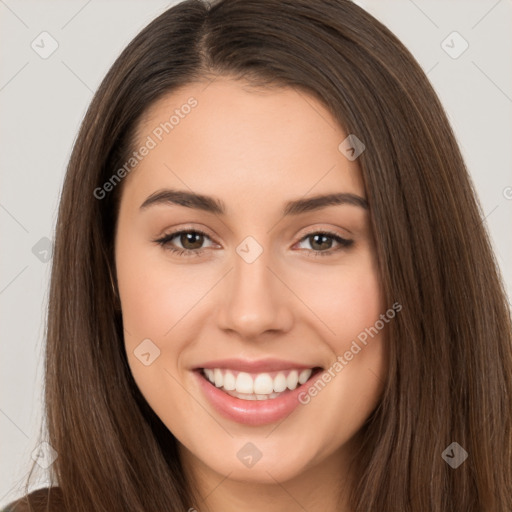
{"x":257,"y":386}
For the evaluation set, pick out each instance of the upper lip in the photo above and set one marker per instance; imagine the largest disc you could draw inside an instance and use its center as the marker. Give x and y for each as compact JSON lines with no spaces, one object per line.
{"x":258,"y":366}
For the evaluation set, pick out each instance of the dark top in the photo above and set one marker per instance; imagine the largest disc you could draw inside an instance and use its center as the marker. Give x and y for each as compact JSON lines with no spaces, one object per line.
{"x":47,"y":499}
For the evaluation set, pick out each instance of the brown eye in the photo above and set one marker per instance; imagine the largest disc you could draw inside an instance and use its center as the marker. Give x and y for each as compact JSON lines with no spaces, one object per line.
{"x":321,"y":243}
{"x":191,"y":240}
{"x":185,"y":242}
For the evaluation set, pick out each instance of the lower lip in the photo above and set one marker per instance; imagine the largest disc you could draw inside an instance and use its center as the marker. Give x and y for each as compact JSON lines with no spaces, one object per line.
{"x":252,"y":412}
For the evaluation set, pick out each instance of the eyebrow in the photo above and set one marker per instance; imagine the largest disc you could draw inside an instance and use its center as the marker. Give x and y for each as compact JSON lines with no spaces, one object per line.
{"x":213,"y":205}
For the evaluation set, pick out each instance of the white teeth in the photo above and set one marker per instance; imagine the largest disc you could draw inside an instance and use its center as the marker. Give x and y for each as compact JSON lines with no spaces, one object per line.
{"x":280,"y":383}
{"x":304,"y":375}
{"x":256,"y":387}
{"x":219,"y":379}
{"x":244,"y":383}
{"x":263,"y":384}
{"x":229,"y":381}
{"x":292,"y":379}
{"x":252,"y":396}
{"x":209,"y":374}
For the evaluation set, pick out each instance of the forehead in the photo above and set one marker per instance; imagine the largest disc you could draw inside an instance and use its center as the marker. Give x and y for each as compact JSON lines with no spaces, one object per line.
{"x":226,"y":137}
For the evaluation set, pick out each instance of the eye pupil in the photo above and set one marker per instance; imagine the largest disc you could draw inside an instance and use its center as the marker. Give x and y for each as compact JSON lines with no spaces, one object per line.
{"x":189,"y":237}
{"x":319,"y":235}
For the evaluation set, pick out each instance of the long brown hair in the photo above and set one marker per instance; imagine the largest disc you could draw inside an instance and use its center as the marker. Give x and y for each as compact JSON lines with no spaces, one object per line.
{"x":450,"y":373}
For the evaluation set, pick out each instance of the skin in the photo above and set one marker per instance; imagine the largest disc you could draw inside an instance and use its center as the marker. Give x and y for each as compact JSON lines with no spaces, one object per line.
{"x":254,"y":149}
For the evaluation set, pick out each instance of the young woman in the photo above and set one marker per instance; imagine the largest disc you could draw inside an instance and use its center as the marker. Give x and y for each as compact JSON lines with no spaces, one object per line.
{"x":272,"y":288}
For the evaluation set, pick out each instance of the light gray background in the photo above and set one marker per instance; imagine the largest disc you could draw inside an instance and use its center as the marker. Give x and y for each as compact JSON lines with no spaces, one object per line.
{"x":42,"y":102}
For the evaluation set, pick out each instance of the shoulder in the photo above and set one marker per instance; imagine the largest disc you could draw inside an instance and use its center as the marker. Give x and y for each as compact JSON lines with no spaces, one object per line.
{"x":42,"y":500}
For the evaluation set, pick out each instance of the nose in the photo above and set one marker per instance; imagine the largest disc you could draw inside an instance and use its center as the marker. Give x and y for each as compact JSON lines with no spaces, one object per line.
{"x":255,"y":300}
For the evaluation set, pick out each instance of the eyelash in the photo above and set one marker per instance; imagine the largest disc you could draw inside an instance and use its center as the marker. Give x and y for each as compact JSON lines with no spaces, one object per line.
{"x":165,"y":243}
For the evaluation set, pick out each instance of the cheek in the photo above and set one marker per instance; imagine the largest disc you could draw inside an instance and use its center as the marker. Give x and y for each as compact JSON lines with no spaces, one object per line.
{"x":352,"y":383}
{"x":153,"y":302}
{"x":348,"y":305}
{"x":160,"y":302}
{"x":154,"y":297}
{"x":344,"y":300}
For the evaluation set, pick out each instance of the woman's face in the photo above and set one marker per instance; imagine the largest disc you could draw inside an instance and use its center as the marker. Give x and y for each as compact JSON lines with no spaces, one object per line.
{"x":262,"y":298}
